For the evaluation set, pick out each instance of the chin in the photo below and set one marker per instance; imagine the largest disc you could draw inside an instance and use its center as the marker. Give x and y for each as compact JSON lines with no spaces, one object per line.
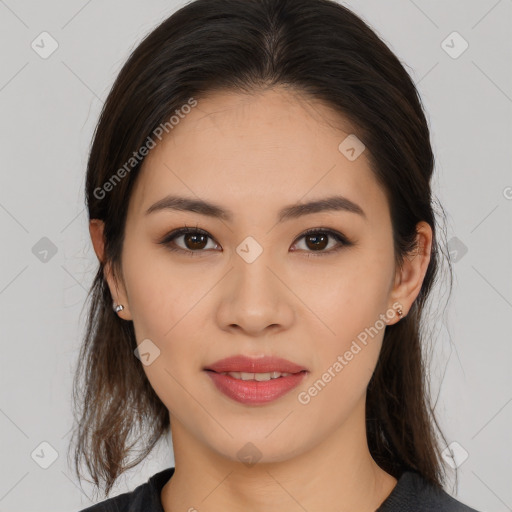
{"x":259,"y":449}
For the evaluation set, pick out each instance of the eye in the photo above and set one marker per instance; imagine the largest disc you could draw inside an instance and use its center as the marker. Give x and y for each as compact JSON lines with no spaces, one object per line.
{"x":317,"y":239}
{"x":193,"y":240}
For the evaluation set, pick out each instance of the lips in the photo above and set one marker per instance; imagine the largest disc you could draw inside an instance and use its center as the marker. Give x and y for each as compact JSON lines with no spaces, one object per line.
{"x":266,"y":364}
{"x":246,"y":380}
{"x":252,"y":392}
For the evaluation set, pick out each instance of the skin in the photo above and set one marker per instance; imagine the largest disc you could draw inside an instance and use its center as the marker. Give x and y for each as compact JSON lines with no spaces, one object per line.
{"x":254,"y":154}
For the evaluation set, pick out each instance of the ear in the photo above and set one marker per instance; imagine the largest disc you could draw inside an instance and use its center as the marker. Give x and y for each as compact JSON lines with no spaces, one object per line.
{"x":409,"y":278}
{"x":117,"y":289}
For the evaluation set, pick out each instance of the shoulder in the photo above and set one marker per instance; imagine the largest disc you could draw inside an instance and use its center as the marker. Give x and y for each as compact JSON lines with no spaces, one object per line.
{"x":144,"y":498}
{"x":413,"y":492}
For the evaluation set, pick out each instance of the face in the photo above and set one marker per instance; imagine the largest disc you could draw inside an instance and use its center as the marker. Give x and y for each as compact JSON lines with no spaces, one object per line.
{"x":251,"y":283}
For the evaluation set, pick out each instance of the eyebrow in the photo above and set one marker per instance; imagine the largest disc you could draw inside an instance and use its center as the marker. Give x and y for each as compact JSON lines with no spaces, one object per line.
{"x":294,"y":211}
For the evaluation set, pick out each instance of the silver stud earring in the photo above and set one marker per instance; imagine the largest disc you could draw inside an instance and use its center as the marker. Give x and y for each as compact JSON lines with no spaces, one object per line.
{"x":118,"y":307}
{"x":400,"y":314}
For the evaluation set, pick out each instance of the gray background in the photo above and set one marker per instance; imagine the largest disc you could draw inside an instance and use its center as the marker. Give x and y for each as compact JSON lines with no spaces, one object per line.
{"x":49,"y":108}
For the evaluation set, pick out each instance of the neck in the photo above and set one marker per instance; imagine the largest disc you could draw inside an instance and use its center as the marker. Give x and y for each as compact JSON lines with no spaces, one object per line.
{"x":336,"y":474}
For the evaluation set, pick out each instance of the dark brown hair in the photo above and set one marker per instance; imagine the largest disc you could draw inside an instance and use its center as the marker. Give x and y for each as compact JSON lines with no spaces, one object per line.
{"x":327,"y":53}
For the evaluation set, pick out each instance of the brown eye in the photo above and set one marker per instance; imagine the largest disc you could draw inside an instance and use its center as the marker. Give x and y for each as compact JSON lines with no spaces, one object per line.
{"x":318,"y":240}
{"x":193,"y":240}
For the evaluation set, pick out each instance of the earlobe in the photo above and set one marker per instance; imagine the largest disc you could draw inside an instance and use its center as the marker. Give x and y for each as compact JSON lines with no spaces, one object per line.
{"x":120,"y":303}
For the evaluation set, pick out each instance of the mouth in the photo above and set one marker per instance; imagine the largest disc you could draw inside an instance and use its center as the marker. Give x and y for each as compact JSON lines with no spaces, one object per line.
{"x":253,"y":381}
{"x":258,"y":377}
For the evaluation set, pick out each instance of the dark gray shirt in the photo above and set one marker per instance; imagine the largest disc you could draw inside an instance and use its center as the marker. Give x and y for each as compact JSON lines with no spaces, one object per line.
{"x":412,"y":493}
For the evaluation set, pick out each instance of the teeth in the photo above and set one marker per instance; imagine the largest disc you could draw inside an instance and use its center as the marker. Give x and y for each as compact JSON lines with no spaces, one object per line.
{"x":255,"y":376}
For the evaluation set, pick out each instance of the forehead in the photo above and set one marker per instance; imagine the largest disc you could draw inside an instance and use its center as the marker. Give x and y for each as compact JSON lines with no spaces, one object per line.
{"x":247,"y":150}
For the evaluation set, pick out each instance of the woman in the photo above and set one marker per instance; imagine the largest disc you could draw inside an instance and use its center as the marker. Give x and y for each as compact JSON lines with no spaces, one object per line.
{"x":259,"y":199}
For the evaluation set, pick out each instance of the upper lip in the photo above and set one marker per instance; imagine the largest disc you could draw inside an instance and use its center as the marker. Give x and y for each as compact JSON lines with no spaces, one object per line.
{"x":265,"y":364}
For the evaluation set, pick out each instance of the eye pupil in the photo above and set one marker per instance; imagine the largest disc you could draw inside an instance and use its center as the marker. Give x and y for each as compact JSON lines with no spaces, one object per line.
{"x":193,"y":237}
{"x":319,"y":241}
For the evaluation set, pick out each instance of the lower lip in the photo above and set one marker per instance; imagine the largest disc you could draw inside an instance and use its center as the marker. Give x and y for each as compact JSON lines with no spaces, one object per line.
{"x":255,"y":392}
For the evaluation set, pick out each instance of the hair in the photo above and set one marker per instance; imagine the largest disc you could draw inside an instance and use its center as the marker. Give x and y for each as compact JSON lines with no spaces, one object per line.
{"x":322,"y":50}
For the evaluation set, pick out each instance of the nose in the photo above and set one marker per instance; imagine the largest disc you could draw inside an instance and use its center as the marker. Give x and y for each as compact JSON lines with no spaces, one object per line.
{"x":255,"y":297}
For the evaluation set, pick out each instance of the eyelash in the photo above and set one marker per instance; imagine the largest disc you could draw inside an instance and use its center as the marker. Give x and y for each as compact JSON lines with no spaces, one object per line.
{"x":314,"y":231}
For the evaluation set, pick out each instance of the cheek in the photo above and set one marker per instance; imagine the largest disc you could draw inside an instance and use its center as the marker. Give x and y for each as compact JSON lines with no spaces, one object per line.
{"x":158,"y":296}
{"x":347,"y":300}
{"x":348,"y":296}
{"x":166,"y":309}
{"x":346,"y":354}
{"x":350,"y":347}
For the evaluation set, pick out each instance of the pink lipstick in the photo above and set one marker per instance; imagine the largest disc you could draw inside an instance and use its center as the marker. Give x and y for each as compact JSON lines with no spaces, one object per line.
{"x":255,"y":381}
